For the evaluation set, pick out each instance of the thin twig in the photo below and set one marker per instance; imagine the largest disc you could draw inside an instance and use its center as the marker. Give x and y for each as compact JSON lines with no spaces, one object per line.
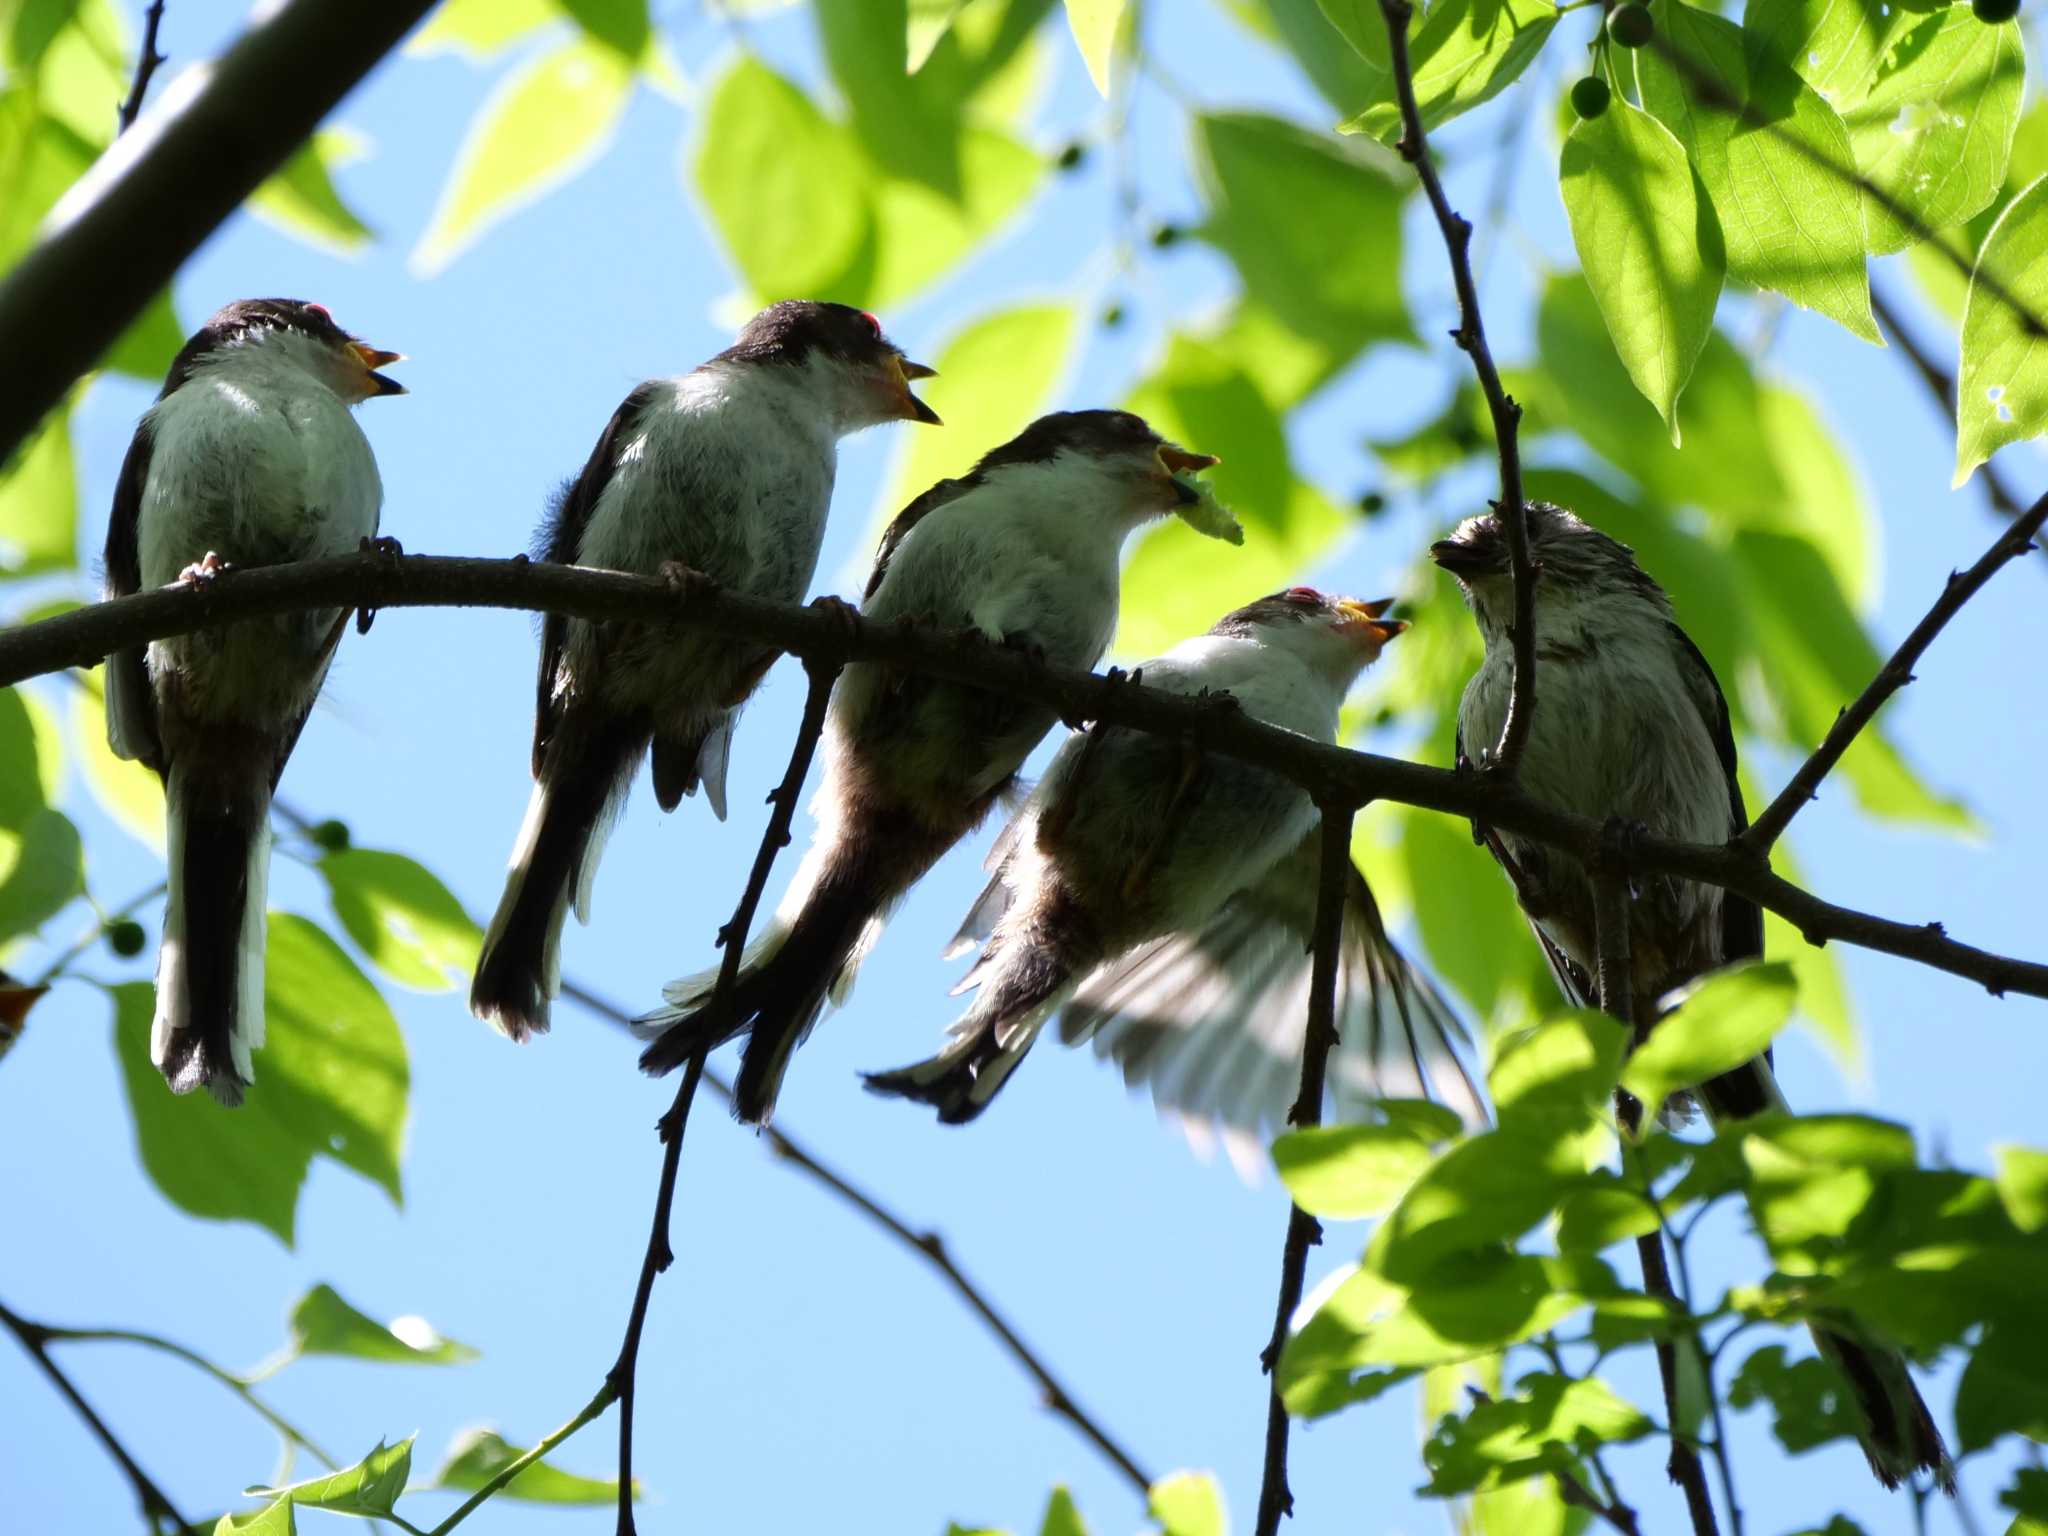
{"x":1507,"y":415}
{"x":1276,"y":1499}
{"x":513,"y":1468}
{"x":146,"y":61}
{"x":156,"y":1505}
{"x":85,"y":635}
{"x":1618,"y":1515}
{"x":1612,"y":945}
{"x":2017,"y":539}
{"x":926,"y":1244}
{"x":733,"y":936}
{"x":1941,"y":384}
{"x":1724,"y":1461}
{"x":104,"y":921}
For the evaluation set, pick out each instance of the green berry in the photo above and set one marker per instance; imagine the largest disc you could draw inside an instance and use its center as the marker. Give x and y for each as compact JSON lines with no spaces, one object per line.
{"x":1372,"y":504}
{"x":1166,"y":235}
{"x":1590,"y":97}
{"x":1112,"y":316}
{"x":331,"y":835}
{"x":1994,"y":11}
{"x":1631,"y":25}
{"x":126,"y":938}
{"x":1071,"y":157}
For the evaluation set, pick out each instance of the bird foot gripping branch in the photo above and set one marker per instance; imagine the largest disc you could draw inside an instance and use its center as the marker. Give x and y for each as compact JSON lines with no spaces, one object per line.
{"x":388,"y":553}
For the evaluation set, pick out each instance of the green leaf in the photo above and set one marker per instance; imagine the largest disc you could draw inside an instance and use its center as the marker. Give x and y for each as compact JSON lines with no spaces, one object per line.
{"x":130,"y":794}
{"x":1942,"y":265}
{"x":1175,"y":583}
{"x":39,"y":502}
{"x":324,"y":1324}
{"x":1729,"y":1018}
{"x":272,"y":1520}
{"x":331,"y":1081}
{"x":31,"y":758}
{"x":1529,"y":1508}
{"x":1100,"y":32}
{"x":1336,"y":276}
{"x":30,"y":30}
{"x":1774,"y":158}
{"x":478,"y":1455}
{"x":1811,"y":1176}
{"x":302,"y":200}
{"x":546,"y":121}
{"x":478,"y":30}
{"x":1642,"y":230}
{"x":995,"y":376}
{"x":42,"y":867}
{"x":1482,"y":1192}
{"x":620,"y":25}
{"x":2023,"y":1186}
{"x":151,"y":343}
{"x":768,"y":163}
{"x":1346,"y":1172}
{"x":1464,"y":908}
{"x":924,"y":23}
{"x":1603,"y":1212}
{"x":1187,"y":1504}
{"x":1460,"y":54}
{"x":2029,"y":1492}
{"x":1558,"y":1074}
{"x":407,"y":922}
{"x":1809,"y":1406}
{"x":2004,"y":1389}
{"x":1538,"y":1431}
{"x":368,"y":1488}
{"x":1061,"y":1517}
{"x":2002,"y":391}
{"x":1346,"y":80}
{"x":920,"y":233}
{"x":908,"y":128}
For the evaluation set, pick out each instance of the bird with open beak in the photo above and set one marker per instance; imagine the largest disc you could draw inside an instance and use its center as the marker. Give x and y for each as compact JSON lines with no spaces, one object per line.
{"x":1631,"y":728}
{"x":250,"y":456}
{"x":726,"y":471}
{"x":1161,"y":901}
{"x":1023,"y":550}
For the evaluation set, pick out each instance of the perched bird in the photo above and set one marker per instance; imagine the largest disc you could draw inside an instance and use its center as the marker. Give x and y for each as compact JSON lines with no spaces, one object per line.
{"x":250,"y":456}
{"x":1024,"y":551}
{"x":727,"y":471}
{"x":1631,"y":726}
{"x":1162,"y":901}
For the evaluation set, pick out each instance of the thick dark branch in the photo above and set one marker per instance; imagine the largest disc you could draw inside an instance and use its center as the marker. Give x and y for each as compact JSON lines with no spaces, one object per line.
{"x":157,"y":1509}
{"x":734,"y":937}
{"x":1334,"y":775}
{"x":2017,"y":539}
{"x":929,"y":1246}
{"x":1507,"y":415}
{"x":1276,"y":1499}
{"x":147,"y":58}
{"x":123,"y":231}
{"x":1941,"y":384}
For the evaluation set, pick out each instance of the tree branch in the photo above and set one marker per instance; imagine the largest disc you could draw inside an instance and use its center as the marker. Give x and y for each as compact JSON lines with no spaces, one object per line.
{"x":156,"y":1506}
{"x":1334,"y":775}
{"x":121,"y":233}
{"x":2017,"y":539}
{"x":147,"y":58}
{"x":733,"y":936}
{"x":1507,"y":415}
{"x":1615,"y":976}
{"x":519,"y":1464}
{"x":1276,"y":1499}
{"x":1941,"y":384}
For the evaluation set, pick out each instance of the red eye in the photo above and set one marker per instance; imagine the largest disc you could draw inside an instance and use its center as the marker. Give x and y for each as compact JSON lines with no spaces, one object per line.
{"x":321,"y":311}
{"x":873,"y":324}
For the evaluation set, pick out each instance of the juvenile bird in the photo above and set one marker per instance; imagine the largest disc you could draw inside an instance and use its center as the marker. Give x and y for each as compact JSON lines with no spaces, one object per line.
{"x":727,"y":471}
{"x":1161,"y":900}
{"x":1024,"y":551}
{"x":250,"y":456}
{"x":1631,"y":726}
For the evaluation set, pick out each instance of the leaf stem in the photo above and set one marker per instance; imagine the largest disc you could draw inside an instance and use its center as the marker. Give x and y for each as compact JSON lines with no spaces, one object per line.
{"x":511,"y":1469}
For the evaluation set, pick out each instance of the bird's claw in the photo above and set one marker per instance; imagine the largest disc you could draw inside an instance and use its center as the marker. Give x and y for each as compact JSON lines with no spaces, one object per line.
{"x":1219,"y":701}
{"x":387,"y":549}
{"x":684,"y":580}
{"x":1621,"y":848}
{"x":203,"y":573}
{"x":841,"y":611}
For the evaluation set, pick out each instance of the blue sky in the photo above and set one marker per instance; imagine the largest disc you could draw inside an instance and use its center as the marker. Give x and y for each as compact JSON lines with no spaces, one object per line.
{"x":799,"y":1371}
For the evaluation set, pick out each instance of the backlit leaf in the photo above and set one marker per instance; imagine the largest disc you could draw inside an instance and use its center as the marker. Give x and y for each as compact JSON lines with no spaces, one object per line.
{"x":1460,"y":53}
{"x":478,"y":1455}
{"x":407,"y":922}
{"x":322,"y":1323}
{"x":1098,"y":28}
{"x":129,"y":793}
{"x":369,"y":1488}
{"x":1344,"y":1172}
{"x":1724,"y":1021}
{"x":39,"y":502}
{"x":303,"y":200}
{"x":1188,"y":1504}
{"x":2002,"y":389}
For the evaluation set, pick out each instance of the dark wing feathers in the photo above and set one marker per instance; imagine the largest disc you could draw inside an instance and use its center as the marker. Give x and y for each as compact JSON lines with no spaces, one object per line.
{"x":123,"y":577}
{"x":900,"y":526}
{"x":1742,"y":920}
{"x":560,"y":537}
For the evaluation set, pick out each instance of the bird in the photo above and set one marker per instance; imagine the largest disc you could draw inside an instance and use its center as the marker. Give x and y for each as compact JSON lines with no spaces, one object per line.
{"x":250,"y":456}
{"x":1023,"y":550}
{"x":1160,"y":900}
{"x":1631,"y":727}
{"x":722,"y":474}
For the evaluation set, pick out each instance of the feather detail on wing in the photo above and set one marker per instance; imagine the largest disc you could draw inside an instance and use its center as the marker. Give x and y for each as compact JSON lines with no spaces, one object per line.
{"x":1212,"y":1022}
{"x":131,"y":706}
{"x":900,"y":525}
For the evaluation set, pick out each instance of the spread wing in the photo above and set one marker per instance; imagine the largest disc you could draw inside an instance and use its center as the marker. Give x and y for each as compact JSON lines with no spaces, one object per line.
{"x":1213,"y":1021}
{"x":131,"y":707}
{"x":561,"y":535}
{"x":900,"y":526}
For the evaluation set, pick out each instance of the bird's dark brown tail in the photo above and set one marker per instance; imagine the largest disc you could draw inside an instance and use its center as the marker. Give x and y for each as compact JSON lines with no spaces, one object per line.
{"x":585,"y":777}
{"x":1900,"y":1437}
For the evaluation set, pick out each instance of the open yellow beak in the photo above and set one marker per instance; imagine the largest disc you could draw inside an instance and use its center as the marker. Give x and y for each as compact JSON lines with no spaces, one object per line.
{"x":1363,"y":620}
{"x":1179,"y":461}
{"x":373,"y":358}
{"x":903,"y":371}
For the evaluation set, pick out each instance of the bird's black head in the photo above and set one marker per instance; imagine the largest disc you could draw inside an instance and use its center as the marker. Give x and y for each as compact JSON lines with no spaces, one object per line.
{"x":840,"y":340}
{"x":1119,"y":443}
{"x":353,"y":363}
{"x":1339,"y":634}
{"x":1574,"y":561}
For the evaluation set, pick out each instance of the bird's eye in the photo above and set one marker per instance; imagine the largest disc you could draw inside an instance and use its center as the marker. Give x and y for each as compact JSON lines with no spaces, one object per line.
{"x":321,"y":311}
{"x":1307,"y":597}
{"x":874,"y":325}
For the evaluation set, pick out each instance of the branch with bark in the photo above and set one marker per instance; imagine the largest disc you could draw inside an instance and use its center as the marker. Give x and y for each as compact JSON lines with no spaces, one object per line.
{"x":1332,"y":775}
